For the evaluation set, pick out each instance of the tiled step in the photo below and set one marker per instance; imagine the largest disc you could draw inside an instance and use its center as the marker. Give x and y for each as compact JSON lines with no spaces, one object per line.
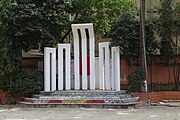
{"x":79,"y":105}
{"x":35,"y":100}
{"x":83,"y":92}
{"x":92,"y":96}
{"x":81,"y":98}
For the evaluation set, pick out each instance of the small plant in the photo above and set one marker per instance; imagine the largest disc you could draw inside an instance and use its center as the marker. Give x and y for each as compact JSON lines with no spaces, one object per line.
{"x":28,"y":82}
{"x":25,"y":82}
{"x":135,"y":80}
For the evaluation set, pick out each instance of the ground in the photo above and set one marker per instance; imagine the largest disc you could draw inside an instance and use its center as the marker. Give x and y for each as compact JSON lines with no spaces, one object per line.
{"x":142,"y":113}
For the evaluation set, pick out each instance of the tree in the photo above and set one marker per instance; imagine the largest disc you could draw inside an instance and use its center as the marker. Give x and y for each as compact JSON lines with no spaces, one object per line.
{"x":176,"y":37}
{"x":102,"y":13}
{"x":165,"y":30}
{"x":169,"y":36}
{"x":27,"y":24}
{"x":125,"y":33}
{"x":36,"y":24}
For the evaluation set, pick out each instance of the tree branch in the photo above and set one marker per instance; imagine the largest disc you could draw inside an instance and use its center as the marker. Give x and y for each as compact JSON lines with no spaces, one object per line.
{"x":68,"y":32}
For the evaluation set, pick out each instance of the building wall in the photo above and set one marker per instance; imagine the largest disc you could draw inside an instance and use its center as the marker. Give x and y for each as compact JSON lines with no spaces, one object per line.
{"x":152,"y":5}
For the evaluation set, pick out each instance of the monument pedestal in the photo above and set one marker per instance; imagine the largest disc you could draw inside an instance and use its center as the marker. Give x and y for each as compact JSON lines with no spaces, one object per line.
{"x":82,"y":98}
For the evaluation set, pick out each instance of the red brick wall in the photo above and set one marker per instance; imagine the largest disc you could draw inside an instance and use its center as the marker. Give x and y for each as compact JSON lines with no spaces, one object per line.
{"x":3,"y":99}
{"x":157,"y":71}
{"x":158,"y":96}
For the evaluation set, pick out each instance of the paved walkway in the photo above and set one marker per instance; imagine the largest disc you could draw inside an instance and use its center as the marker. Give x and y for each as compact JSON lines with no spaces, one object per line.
{"x":144,"y":113}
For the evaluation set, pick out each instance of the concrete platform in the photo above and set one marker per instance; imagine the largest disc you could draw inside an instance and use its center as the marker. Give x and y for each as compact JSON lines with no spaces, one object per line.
{"x":95,"y":99}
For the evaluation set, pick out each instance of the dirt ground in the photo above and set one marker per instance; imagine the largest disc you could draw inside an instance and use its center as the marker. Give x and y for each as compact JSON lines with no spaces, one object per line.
{"x":143,"y":113}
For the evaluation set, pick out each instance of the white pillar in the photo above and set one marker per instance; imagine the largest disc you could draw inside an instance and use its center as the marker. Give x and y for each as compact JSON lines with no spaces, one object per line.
{"x":92,"y":56}
{"x":76,"y":57}
{"x":49,"y":69}
{"x":115,"y":69}
{"x":82,"y":28}
{"x":104,"y":66}
{"x":61,"y":62}
{"x":84,"y":58}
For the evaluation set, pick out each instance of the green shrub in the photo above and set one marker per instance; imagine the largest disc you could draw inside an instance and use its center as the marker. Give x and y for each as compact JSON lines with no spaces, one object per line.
{"x":28,"y":82}
{"x":134,"y":80}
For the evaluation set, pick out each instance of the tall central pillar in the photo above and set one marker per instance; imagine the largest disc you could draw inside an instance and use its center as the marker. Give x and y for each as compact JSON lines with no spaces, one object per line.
{"x":84,"y":32}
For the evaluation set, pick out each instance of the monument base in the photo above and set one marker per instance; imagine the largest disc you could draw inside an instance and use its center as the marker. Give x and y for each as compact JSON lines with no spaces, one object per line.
{"x":82,"y":98}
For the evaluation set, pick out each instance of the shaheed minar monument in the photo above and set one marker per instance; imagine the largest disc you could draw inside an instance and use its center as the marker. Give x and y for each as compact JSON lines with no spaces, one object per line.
{"x":64,"y":87}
